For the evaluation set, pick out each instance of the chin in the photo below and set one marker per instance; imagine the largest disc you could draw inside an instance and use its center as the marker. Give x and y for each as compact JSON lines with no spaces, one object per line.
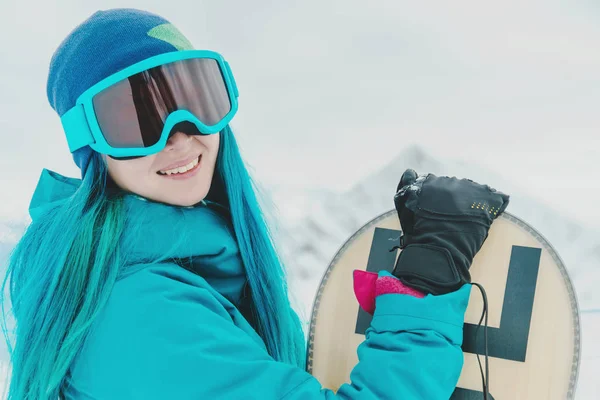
{"x":182,"y":202}
{"x":180,"y":196}
{"x":188,"y":199}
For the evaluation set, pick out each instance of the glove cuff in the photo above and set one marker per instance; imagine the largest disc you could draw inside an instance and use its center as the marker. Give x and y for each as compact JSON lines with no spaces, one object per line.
{"x":427,"y":268}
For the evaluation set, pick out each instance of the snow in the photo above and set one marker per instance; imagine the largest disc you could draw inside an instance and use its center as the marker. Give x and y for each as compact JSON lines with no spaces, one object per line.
{"x":588,"y":385}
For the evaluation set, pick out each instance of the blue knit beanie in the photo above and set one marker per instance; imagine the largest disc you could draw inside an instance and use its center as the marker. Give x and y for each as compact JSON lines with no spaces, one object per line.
{"x":105,"y":43}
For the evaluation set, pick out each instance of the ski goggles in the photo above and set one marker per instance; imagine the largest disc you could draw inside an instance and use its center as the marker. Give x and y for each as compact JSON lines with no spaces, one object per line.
{"x":131,"y":113}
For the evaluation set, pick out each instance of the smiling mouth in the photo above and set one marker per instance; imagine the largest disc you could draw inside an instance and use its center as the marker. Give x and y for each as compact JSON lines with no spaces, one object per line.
{"x":186,"y":169}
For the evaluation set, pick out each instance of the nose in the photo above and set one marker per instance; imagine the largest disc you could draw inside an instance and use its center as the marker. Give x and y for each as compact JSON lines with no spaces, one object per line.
{"x":178,"y":139}
{"x":180,"y":134}
{"x":184,"y":127}
{"x":178,"y":142}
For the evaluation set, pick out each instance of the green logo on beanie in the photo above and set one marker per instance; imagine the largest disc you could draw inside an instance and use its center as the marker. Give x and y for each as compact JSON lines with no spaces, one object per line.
{"x":171,"y":35}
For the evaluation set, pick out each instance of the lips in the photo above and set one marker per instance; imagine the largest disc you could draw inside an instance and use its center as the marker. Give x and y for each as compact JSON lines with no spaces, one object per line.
{"x":184,"y":175}
{"x":178,"y":164}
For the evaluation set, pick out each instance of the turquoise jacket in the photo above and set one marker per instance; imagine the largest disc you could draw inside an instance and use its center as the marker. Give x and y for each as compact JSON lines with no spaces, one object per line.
{"x":175,"y":330}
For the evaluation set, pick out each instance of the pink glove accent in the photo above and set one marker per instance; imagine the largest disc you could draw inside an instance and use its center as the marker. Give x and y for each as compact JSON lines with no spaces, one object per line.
{"x":364,"y":289}
{"x":368,"y":285}
{"x":390,"y":284}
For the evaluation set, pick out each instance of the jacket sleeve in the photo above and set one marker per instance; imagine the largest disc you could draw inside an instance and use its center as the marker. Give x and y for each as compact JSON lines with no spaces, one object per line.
{"x":161,"y":337}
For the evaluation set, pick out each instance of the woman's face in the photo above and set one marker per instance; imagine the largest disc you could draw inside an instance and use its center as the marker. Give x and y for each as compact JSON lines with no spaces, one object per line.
{"x":156,"y":177}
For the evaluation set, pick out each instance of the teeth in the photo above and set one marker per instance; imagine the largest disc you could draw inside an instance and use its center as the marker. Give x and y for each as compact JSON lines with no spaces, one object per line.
{"x":180,"y":170}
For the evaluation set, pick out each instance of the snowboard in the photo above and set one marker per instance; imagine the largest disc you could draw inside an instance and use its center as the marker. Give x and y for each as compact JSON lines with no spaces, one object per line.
{"x":533,"y":316}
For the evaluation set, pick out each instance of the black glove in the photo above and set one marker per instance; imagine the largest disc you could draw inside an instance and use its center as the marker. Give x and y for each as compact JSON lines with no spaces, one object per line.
{"x":444,"y":222}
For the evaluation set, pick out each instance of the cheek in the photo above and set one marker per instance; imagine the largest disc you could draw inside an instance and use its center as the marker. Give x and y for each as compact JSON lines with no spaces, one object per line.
{"x":210,"y":142}
{"x":214,"y":141}
{"x":129,"y":172}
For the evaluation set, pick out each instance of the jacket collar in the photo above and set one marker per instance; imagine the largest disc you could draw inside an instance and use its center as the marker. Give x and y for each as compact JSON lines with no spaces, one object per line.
{"x":199,"y":238}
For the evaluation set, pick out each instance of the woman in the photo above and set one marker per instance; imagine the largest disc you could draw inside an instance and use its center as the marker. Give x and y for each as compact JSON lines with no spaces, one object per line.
{"x":154,"y":276}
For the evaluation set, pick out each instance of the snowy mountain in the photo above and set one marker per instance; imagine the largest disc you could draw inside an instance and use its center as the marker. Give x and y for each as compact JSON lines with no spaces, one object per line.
{"x":10,"y":232}
{"x":329,"y":219}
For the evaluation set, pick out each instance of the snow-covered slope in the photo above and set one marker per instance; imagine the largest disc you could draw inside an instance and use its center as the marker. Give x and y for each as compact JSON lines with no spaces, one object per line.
{"x":310,"y":242}
{"x":10,"y":232}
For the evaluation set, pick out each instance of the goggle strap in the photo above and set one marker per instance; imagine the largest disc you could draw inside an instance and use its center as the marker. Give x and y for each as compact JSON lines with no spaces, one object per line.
{"x":76,"y":128}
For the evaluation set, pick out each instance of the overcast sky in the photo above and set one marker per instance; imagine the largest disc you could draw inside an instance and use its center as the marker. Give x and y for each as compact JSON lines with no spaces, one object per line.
{"x":332,"y":90}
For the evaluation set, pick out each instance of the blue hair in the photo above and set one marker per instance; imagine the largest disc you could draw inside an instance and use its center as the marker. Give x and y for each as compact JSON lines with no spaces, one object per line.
{"x":277,"y":323}
{"x":62,"y":271}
